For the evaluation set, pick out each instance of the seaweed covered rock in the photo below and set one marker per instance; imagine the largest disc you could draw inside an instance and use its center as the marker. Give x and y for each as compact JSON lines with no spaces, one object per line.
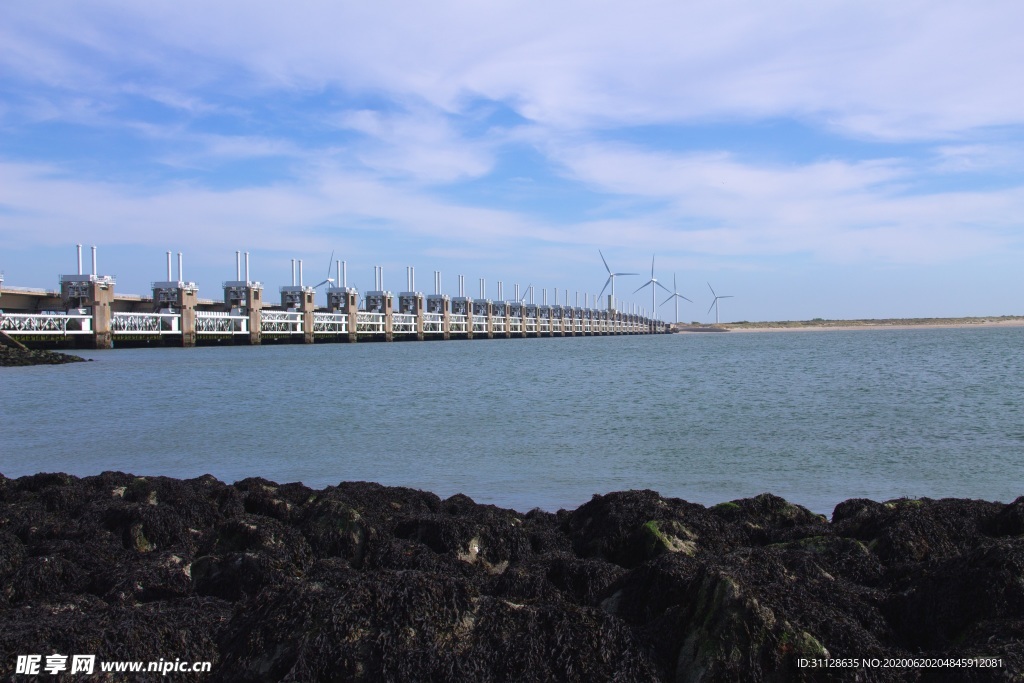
{"x":912,"y":530}
{"x":1009,"y":521}
{"x":632,"y":527}
{"x":13,"y":356}
{"x":769,"y":519}
{"x":475,"y":534}
{"x":945,"y":599}
{"x":365,"y":582}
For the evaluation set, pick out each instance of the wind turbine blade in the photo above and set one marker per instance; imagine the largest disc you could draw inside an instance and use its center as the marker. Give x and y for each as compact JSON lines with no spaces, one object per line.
{"x":674,"y":285}
{"x":330,"y":262}
{"x":605,"y":286}
{"x":605,"y":262}
{"x":668,"y":299}
{"x":683,"y":297}
{"x":726,"y":296}
{"x":712,"y":304}
{"x":617,"y":274}
{"x":662,"y":286}
{"x":641,"y":286}
{"x":652,"y":266}
{"x":712,"y":290}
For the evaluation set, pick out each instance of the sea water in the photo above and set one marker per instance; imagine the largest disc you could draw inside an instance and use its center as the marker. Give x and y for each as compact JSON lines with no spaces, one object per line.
{"x":815,"y":417}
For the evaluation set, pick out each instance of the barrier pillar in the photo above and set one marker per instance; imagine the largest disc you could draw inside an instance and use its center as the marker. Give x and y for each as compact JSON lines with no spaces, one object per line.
{"x":345,"y":300}
{"x":381,"y":301}
{"x":482,"y":309}
{"x":95,"y":294}
{"x":243,"y":297}
{"x":411,"y":303}
{"x":299,"y":299}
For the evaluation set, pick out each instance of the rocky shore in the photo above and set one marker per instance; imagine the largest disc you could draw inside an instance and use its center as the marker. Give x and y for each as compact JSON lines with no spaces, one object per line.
{"x":361,"y":582}
{"x":12,"y":356}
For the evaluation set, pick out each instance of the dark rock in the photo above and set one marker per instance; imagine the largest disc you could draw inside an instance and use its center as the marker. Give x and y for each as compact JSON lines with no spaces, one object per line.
{"x":184,"y":629}
{"x":908,"y":530}
{"x":335,"y":529}
{"x":11,"y":356}
{"x":632,"y":527}
{"x":941,"y":601}
{"x":238,"y":575}
{"x":1009,"y":521}
{"x":769,"y":519}
{"x":482,"y":535}
{"x":363,"y":582}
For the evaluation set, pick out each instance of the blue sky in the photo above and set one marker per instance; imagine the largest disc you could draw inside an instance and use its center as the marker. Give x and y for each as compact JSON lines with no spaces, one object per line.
{"x":838,"y":160}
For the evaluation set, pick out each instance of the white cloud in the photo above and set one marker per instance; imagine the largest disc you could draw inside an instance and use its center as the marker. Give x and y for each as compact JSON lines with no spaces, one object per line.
{"x":175,"y":99}
{"x":975,"y":158}
{"x":838,"y":211}
{"x":419,"y":144}
{"x":896,"y":71}
{"x":283,"y":216}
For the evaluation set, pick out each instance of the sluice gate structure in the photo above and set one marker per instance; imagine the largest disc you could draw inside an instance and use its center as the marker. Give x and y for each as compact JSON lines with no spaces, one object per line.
{"x":86,"y":313}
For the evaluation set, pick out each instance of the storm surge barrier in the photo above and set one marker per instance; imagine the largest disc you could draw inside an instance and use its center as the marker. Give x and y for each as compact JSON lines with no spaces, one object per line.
{"x":86,"y":312}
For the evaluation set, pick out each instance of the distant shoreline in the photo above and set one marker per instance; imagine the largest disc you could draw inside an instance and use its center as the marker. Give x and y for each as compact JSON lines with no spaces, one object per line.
{"x":870,"y":324}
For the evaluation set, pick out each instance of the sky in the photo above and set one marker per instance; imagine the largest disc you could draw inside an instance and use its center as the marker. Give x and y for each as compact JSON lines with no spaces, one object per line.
{"x":809,"y":159}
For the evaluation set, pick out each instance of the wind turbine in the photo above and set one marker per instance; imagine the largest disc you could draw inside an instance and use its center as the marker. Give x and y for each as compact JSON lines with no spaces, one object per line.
{"x":675,"y":295}
{"x":653,"y":282}
{"x":610,"y":280}
{"x":714,"y":304}
{"x":329,"y":280}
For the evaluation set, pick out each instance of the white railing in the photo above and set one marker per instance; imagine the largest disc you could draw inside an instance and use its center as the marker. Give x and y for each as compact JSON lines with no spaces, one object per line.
{"x":280,"y":322}
{"x":370,"y":323}
{"x":457,"y":324}
{"x":433,"y":323}
{"x":545,"y":325}
{"x":578,"y":325}
{"x":145,"y":323}
{"x":531,"y":325}
{"x":45,"y":323}
{"x":214,"y":322}
{"x":403,"y":323}
{"x":479,"y":324}
{"x":515,"y":325}
{"x":586,"y":326}
{"x":499,"y":325}
{"x":330,"y":323}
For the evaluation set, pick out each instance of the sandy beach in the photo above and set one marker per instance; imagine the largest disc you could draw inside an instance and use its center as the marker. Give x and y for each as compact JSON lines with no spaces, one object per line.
{"x":843,"y":325}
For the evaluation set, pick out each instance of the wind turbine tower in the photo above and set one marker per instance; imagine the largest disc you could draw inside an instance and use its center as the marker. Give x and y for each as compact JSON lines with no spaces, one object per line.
{"x":654,"y":284}
{"x":677,"y":296}
{"x":609,"y":281}
{"x":714,"y":304}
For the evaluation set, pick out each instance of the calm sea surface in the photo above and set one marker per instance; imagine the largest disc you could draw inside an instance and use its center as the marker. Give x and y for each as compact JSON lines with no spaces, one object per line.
{"x":814,"y":417}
